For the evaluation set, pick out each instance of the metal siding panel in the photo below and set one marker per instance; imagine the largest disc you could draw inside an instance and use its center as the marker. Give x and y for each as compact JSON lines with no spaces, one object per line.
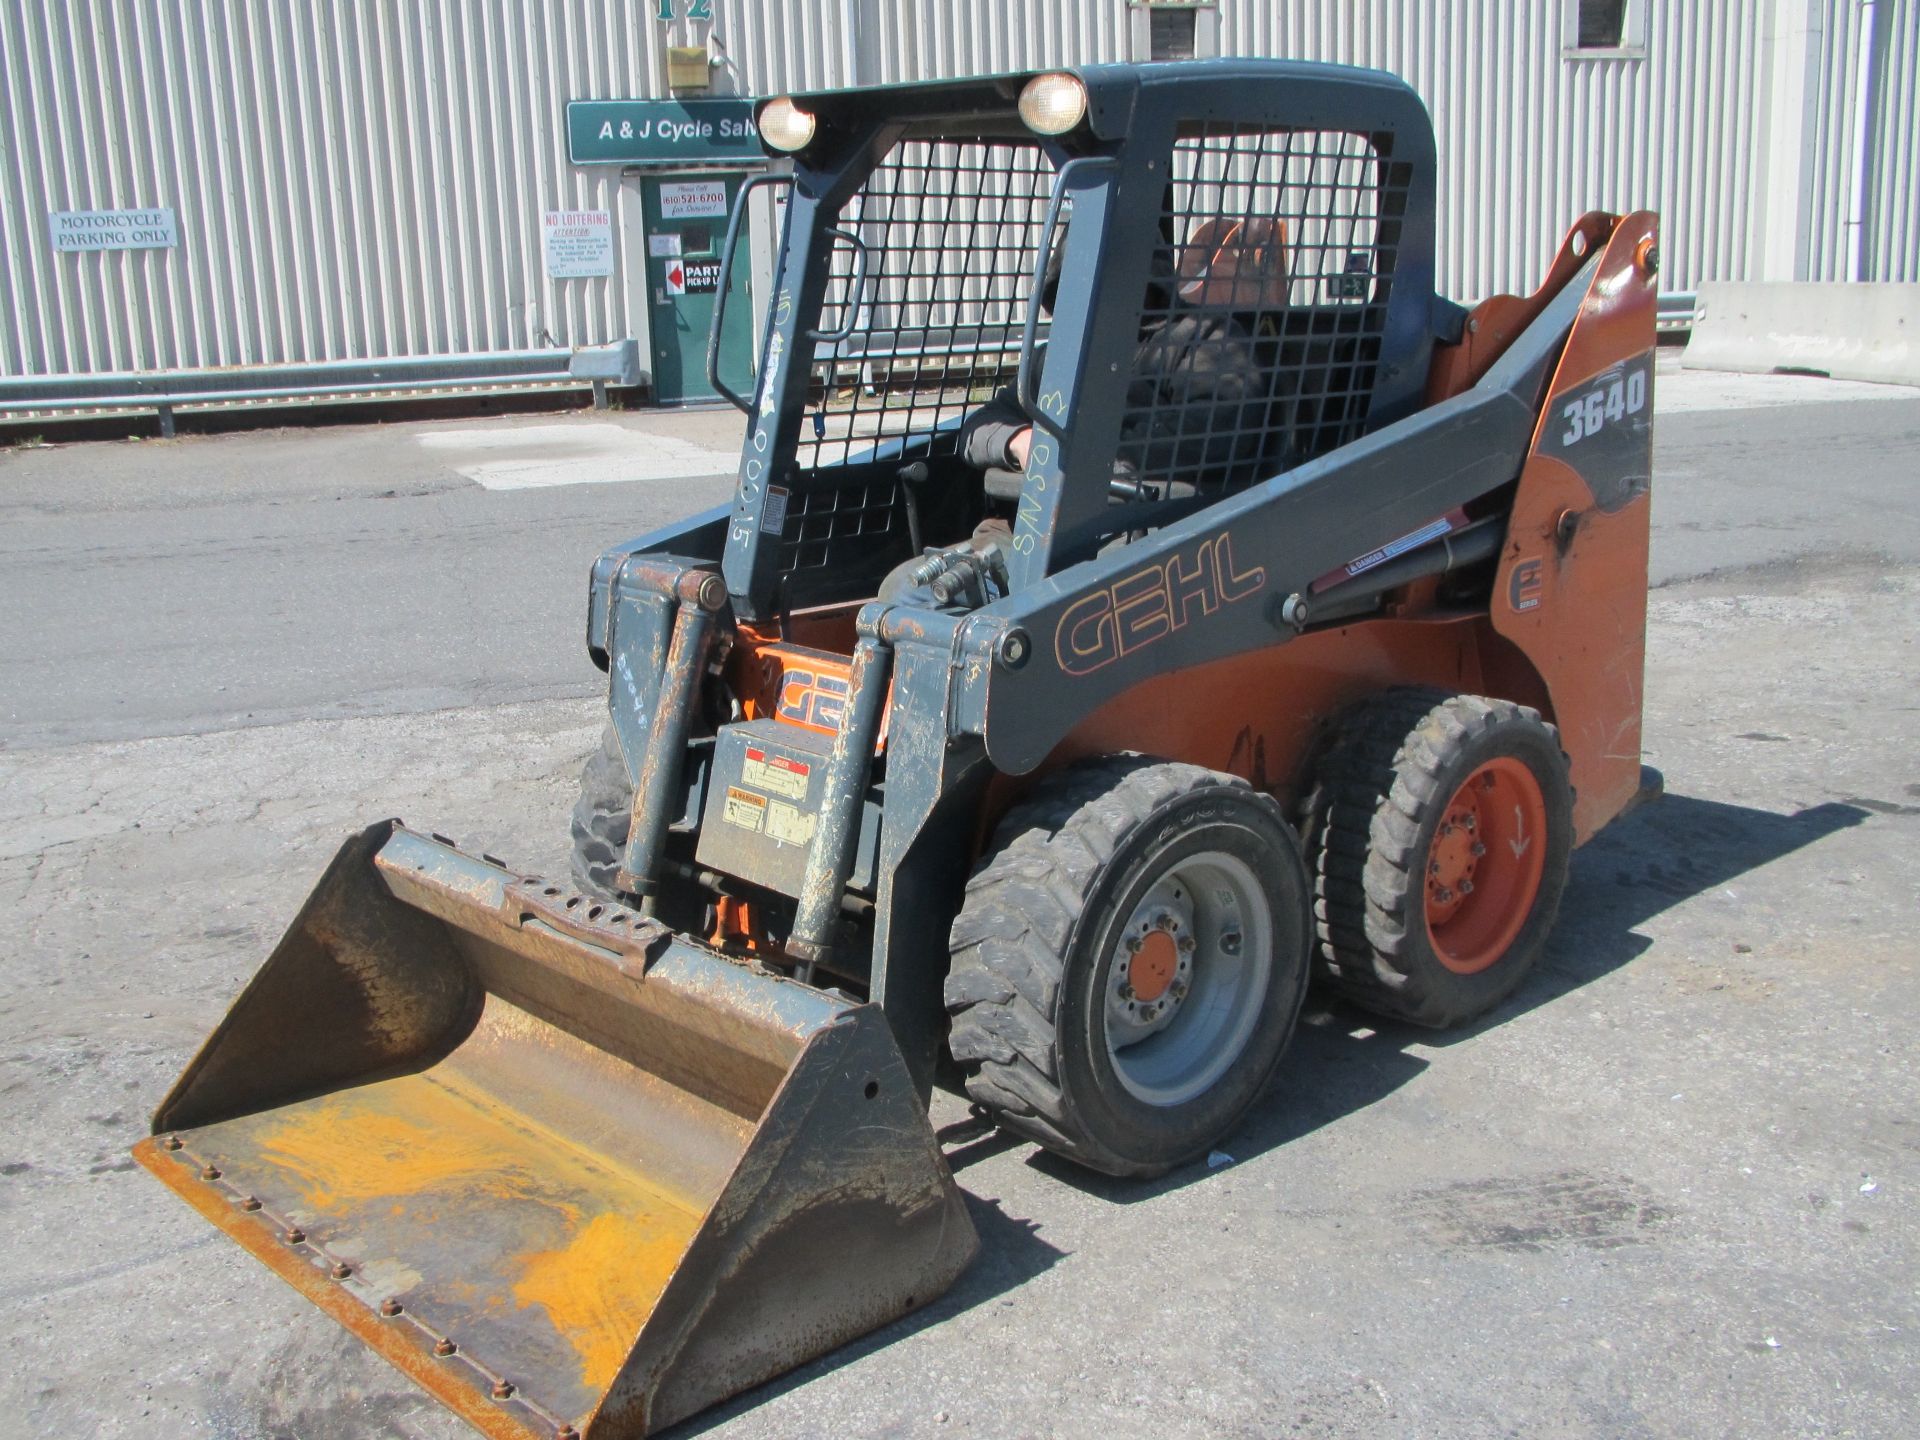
{"x":1832,"y":142}
{"x":1893,"y":180}
{"x":1529,"y":140}
{"x":355,"y":179}
{"x":921,"y":41}
{"x":351,"y":179}
{"x":1894,"y":216}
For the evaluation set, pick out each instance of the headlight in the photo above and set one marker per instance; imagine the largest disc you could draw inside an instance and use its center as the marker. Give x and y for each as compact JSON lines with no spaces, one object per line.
{"x":784,"y":125}
{"x":1053,"y":104}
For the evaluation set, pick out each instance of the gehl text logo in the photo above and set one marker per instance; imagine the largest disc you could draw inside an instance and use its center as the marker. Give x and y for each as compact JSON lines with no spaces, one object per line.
{"x":1151,"y":604}
{"x":815,"y":699}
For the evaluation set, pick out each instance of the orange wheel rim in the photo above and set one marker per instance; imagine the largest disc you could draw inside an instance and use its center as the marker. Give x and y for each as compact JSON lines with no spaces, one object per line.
{"x":1151,"y":972}
{"x":1484,"y":865}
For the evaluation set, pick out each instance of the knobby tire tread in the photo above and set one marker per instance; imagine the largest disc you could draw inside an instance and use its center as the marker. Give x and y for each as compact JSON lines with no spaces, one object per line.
{"x":1361,"y":820}
{"x":1011,"y":938}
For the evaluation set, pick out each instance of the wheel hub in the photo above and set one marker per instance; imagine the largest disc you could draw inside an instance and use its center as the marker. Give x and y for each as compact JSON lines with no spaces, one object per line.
{"x":1155,"y":966}
{"x":1186,"y":978}
{"x":1484,"y":865}
{"x":1454,"y":856}
{"x":1150,"y":972}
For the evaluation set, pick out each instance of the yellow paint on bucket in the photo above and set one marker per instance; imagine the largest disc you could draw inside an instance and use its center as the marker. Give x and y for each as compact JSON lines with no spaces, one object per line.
{"x":446,"y":1152}
{"x":599,"y":1288}
{"x":345,"y":1152}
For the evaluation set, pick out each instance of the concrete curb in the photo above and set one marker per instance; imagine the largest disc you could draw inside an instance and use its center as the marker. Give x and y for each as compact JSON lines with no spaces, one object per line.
{"x":1850,"y":332}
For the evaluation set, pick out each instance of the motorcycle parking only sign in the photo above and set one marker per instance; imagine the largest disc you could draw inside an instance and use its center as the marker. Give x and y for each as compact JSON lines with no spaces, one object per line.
{"x":113,"y":229}
{"x":578,"y":243}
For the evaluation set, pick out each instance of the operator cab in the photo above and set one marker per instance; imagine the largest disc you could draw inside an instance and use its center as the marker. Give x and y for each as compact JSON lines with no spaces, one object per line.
{"x":1237,"y":294}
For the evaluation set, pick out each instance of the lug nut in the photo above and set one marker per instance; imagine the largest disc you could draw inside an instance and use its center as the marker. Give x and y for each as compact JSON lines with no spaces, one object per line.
{"x":390,"y":1307}
{"x":1466,"y":887}
{"x":1478,"y":850}
{"x":295,"y":1236}
{"x":341,"y":1271}
{"x":444,"y":1348}
{"x":251,"y":1203}
{"x":503,"y":1390}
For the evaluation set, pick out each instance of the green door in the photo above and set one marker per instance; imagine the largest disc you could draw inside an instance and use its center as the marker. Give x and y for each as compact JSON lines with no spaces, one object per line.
{"x":686,"y":223}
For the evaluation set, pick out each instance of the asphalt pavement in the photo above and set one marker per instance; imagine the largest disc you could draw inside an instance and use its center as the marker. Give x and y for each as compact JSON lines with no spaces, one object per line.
{"x":1669,"y":1189}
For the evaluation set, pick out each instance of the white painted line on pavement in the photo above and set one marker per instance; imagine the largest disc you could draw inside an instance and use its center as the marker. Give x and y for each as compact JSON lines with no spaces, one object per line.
{"x":525,"y":457}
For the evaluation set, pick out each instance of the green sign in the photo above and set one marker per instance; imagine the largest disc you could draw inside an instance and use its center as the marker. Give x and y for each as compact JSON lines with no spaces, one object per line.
{"x":661,"y":132}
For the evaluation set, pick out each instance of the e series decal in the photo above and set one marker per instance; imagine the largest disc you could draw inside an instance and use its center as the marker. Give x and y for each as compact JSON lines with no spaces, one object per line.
{"x":1524,"y":586}
{"x":1151,"y":604}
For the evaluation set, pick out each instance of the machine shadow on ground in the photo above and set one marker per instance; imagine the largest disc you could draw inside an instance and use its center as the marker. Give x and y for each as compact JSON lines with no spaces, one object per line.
{"x":1660,"y":855}
{"x":1011,"y":1253}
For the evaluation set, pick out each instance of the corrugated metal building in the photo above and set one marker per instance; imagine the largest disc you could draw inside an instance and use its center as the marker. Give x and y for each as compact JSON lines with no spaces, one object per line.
{"x":357,"y":180}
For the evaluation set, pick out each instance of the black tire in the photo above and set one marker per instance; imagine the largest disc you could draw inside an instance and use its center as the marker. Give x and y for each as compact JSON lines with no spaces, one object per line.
{"x":1370,"y":821}
{"x":1038,"y":938}
{"x":601,"y":818}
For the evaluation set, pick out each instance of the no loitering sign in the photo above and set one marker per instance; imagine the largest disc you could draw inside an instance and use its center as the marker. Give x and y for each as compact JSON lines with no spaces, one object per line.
{"x":113,"y":229}
{"x":578,"y":243}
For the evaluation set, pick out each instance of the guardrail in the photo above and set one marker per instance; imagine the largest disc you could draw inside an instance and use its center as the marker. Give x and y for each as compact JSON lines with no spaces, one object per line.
{"x":1678,"y":311}
{"x":38,"y":398}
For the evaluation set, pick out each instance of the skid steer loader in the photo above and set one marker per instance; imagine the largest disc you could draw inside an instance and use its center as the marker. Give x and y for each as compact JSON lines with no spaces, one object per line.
{"x":1141,"y":592}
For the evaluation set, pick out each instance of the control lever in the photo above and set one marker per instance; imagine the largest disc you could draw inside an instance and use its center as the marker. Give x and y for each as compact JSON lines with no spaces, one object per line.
{"x":912,"y":477}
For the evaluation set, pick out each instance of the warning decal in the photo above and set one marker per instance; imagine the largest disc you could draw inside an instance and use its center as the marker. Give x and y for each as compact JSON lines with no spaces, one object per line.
{"x":785,"y":823}
{"x":745,"y":809}
{"x":775,"y":774}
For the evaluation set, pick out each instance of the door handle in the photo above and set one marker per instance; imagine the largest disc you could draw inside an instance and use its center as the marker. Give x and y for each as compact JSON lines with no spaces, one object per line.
{"x":737,"y":400}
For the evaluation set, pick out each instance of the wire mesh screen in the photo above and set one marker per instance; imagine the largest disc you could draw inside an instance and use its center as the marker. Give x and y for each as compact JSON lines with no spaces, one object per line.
{"x":1261,"y":327}
{"x":927,"y":307}
{"x":947,"y":233}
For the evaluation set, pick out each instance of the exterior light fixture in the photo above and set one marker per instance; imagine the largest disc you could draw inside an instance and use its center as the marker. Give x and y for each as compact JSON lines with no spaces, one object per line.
{"x":784,"y":125}
{"x":1053,"y":104}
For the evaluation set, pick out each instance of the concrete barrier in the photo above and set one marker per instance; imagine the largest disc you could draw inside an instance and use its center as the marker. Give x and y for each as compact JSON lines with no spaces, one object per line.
{"x":1851,"y":332}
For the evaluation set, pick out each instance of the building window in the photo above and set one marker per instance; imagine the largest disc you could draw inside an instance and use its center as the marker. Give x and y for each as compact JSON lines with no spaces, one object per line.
{"x":1605,"y":29}
{"x":1174,"y":29}
{"x":1169,"y":33}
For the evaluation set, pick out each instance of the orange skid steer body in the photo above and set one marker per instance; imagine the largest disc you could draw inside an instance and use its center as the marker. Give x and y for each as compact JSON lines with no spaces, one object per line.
{"x":922,"y":770}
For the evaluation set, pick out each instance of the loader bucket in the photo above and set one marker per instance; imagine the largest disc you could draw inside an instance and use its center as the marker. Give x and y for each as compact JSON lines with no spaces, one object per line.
{"x":573,"y":1174}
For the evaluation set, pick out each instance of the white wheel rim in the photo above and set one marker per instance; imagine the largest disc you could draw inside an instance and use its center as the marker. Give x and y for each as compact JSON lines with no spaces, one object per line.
{"x":1169,"y":1045}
